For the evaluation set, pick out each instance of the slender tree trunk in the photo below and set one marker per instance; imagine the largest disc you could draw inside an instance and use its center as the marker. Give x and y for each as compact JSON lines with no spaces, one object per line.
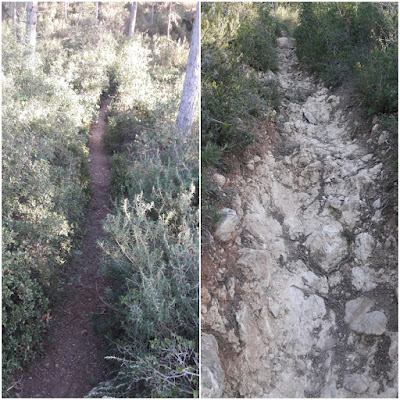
{"x":99,"y":14}
{"x":275,"y":7}
{"x":169,"y":20}
{"x":4,"y":11}
{"x":66,"y":12}
{"x":13,"y":19}
{"x":132,"y":19}
{"x":17,"y":28}
{"x":79,"y":16}
{"x":152,"y":14}
{"x":30,"y":40}
{"x":190,"y":93}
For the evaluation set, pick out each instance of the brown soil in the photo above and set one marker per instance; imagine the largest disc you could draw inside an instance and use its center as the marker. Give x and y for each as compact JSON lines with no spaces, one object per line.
{"x":70,"y":365}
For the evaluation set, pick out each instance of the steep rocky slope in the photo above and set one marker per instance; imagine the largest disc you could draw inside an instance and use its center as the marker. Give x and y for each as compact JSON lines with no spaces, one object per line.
{"x":299,"y":292}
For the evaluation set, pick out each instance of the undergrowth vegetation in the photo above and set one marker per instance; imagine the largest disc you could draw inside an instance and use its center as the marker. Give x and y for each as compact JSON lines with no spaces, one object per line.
{"x":48,"y":104}
{"x":354,"y":43}
{"x":49,"y":100}
{"x":238,"y":51}
{"x":238,"y":41}
{"x":151,"y":254}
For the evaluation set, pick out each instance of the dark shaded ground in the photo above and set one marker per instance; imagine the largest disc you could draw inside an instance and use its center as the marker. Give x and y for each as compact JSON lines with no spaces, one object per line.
{"x":70,"y":365}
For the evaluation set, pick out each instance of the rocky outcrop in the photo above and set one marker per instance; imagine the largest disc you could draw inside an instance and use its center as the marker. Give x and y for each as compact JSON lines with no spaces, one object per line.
{"x":211,"y":370}
{"x":361,"y":320}
{"x":228,"y":226}
{"x":308,"y":308}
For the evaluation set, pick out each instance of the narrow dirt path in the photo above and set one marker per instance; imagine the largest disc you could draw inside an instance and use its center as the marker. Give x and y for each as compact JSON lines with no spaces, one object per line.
{"x":303,"y":301}
{"x":70,"y":366}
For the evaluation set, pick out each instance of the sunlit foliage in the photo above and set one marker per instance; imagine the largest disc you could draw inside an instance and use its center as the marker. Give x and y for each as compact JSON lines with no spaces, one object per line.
{"x":49,"y":100}
{"x":354,"y":43}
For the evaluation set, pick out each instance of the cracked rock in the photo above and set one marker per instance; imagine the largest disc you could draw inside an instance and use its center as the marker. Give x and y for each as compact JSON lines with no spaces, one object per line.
{"x":365,"y":245}
{"x":212,"y":374}
{"x":361,"y":320}
{"x":228,"y":227}
{"x":356,"y":383}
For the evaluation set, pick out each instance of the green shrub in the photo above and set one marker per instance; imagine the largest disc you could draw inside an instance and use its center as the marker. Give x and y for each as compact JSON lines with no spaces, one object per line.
{"x":256,"y":40}
{"x":353,"y":43}
{"x":169,"y":54}
{"x":48,"y":105}
{"x":377,"y":80}
{"x":236,"y":36}
{"x":121,"y":130}
{"x":211,"y":154}
{"x":168,"y":369}
{"x":287,"y":15}
{"x":151,"y":254}
{"x":24,"y":303}
{"x":153,"y":259}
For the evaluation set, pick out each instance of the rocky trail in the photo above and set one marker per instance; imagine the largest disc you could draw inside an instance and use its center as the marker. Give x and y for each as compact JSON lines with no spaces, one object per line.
{"x":70,"y":365}
{"x":299,"y":289}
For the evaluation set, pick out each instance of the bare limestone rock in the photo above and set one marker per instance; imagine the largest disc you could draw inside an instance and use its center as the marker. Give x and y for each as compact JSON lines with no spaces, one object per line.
{"x":254,"y":334}
{"x":270,"y":76}
{"x":309,"y":117}
{"x":365,"y":246}
{"x":281,"y":314}
{"x":257,"y":265}
{"x":383,"y":137}
{"x":212,"y":374}
{"x":214,"y":319}
{"x":286,"y":43}
{"x":250,"y":166}
{"x":219,"y":179}
{"x":356,"y":383}
{"x":361,"y":320}
{"x":327,"y":245}
{"x":363,"y":278}
{"x":228,"y":227}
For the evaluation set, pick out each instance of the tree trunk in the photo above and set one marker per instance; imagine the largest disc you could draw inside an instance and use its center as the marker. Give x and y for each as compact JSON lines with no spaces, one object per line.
{"x":169,"y":20}
{"x":152,"y":14}
{"x":99,"y":14}
{"x":17,"y":28}
{"x":190,"y":93}
{"x":4,"y":11}
{"x":30,"y":40}
{"x":275,"y":7}
{"x":13,"y":19}
{"x":79,"y":16}
{"x":132,"y":20}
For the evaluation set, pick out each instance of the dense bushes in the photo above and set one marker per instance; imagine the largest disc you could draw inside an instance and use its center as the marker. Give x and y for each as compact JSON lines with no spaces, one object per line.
{"x":353,"y":42}
{"x":151,"y":254}
{"x":238,"y":39}
{"x":238,"y":53}
{"x":153,"y":259}
{"x":48,"y":103}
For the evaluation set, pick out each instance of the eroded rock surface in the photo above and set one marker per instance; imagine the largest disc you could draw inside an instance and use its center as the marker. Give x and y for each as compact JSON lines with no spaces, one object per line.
{"x":303,"y":302}
{"x":211,"y":370}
